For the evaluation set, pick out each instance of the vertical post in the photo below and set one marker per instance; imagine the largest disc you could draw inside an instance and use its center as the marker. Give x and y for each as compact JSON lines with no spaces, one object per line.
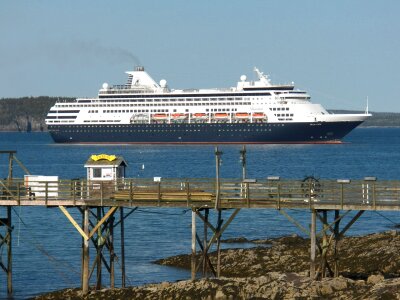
{"x":9,"y":252}
{"x":74,"y":191}
{"x":193,"y":258}
{"x":19,"y":192}
{"x":101,"y":193}
{"x":219,"y":244}
{"x":122,"y":247}
{"x":247,"y":194}
{"x":373,"y":195}
{"x":313,"y":240}
{"x":324,"y":243}
{"x":217,"y":164}
{"x":159,"y":192}
{"x":82,"y":247}
{"x":187,"y":193}
{"x":46,"y":191}
{"x":206,"y":211}
{"x":243,"y":159}
{"x":130,"y":191}
{"x":10,"y":167}
{"x":336,"y":242}
{"x":85,"y":253}
{"x":279,"y":195}
{"x":341,"y":195}
{"x":112,"y":254}
{"x":99,"y":251}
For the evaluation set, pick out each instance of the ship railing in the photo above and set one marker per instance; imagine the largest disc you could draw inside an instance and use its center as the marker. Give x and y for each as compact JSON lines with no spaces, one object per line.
{"x":126,"y":89}
{"x":203,"y":192}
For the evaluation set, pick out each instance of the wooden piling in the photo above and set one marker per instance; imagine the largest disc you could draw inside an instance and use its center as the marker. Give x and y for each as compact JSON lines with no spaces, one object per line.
{"x":9,"y":252}
{"x":85,"y":252}
{"x":219,"y":221}
{"x":324,"y":245}
{"x":205,"y":242}
{"x":193,"y":258}
{"x":313,"y":239}
{"x":112,"y":254}
{"x":99,"y":249}
{"x":336,"y":242}
{"x":122,"y":247}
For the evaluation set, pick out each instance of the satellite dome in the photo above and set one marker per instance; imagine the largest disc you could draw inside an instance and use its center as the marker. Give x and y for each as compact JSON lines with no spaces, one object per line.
{"x":163,"y":83}
{"x":105,"y":85}
{"x":243,"y":78}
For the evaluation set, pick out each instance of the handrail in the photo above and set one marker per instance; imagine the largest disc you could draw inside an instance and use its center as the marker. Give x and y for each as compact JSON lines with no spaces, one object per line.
{"x":370,"y":195}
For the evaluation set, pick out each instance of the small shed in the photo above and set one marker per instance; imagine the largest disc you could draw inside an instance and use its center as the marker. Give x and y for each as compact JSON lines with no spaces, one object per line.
{"x":104,"y":167}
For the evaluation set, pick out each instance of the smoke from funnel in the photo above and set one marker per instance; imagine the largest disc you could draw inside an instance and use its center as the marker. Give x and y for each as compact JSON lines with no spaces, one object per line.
{"x":105,"y":53}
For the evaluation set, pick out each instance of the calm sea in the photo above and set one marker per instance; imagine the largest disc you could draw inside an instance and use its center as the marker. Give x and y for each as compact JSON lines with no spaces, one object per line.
{"x":46,"y":247}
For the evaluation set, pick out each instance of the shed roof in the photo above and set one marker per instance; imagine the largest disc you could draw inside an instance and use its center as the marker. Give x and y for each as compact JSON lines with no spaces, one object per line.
{"x":105,"y":160}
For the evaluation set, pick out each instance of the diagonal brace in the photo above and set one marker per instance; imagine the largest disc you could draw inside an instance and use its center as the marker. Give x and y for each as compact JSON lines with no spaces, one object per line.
{"x":221,"y":231}
{"x":298,"y":225}
{"x":106,"y":216}
{"x":71,"y":219}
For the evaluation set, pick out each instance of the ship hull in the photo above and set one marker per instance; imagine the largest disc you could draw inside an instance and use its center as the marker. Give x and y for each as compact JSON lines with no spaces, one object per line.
{"x":196,"y":133}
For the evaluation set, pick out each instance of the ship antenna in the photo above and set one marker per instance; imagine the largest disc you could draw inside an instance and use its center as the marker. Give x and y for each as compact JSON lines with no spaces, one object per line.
{"x":366,"y":109}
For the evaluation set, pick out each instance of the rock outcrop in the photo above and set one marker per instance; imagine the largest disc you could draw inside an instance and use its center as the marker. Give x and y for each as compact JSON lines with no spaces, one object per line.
{"x":369,"y":268}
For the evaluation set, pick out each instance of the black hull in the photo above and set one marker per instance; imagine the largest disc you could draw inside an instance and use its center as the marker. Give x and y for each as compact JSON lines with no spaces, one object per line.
{"x":229,"y":133}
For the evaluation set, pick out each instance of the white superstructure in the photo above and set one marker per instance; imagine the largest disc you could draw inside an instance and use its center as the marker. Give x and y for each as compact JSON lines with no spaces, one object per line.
{"x":144,"y":101}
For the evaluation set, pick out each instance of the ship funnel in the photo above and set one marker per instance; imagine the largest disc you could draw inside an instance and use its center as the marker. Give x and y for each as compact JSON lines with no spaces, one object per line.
{"x":139,"y":68}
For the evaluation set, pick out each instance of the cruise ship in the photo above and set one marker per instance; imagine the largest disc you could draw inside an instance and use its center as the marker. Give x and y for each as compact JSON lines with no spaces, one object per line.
{"x":146,"y":112}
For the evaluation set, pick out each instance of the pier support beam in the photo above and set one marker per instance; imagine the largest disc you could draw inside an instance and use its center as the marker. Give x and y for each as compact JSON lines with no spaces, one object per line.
{"x":99,"y":231}
{"x":206,"y":244}
{"x":326,"y":241}
{"x":122,"y":224}
{"x":193,"y":258}
{"x":313,"y":240}
{"x":6,"y":241}
{"x":85,"y":252}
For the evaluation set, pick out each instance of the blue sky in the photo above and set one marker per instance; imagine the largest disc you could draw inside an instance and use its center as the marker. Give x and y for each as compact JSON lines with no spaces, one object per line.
{"x":341,"y":52}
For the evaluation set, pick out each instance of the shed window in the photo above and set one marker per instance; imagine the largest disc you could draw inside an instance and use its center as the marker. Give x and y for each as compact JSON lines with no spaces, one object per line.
{"x":96,"y":172}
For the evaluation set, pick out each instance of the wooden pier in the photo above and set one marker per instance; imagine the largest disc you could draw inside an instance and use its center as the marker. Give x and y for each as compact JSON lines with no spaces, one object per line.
{"x":99,"y":202}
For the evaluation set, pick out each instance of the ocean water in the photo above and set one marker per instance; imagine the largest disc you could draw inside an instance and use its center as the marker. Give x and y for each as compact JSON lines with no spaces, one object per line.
{"x":47,"y":249}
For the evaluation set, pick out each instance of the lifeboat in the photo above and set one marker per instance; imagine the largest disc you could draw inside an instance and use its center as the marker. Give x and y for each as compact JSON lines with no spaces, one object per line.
{"x":221,"y":116}
{"x":242,"y":115}
{"x":160,"y":116}
{"x":199,"y":116}
{"x":258,"y":115}
{"x":178,"y":116}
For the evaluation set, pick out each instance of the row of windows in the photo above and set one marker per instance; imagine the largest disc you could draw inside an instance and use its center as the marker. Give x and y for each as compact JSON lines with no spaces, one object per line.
{"x":61,"y":117}
{"x":165,"y":100}
{"x":183,"y":96}
{"x":155,"y":104}
{"x":178,"y":125}
{"x":102,"y":121}
{"x":278,"y":108}
{"x":171,"y":130}
{"x":284,"y":115}
{"x":160,"y":110}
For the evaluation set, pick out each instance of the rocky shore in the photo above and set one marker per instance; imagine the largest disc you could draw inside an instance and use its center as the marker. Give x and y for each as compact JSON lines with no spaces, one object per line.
{"x":279,"y":269}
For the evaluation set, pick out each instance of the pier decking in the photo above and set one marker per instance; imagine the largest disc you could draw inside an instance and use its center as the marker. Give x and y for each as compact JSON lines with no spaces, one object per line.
{"x":342,"y":194}
{"x":98,"y":202}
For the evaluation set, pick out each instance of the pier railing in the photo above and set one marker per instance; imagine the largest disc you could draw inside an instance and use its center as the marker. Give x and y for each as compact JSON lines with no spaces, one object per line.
{"x":232,"y":193}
